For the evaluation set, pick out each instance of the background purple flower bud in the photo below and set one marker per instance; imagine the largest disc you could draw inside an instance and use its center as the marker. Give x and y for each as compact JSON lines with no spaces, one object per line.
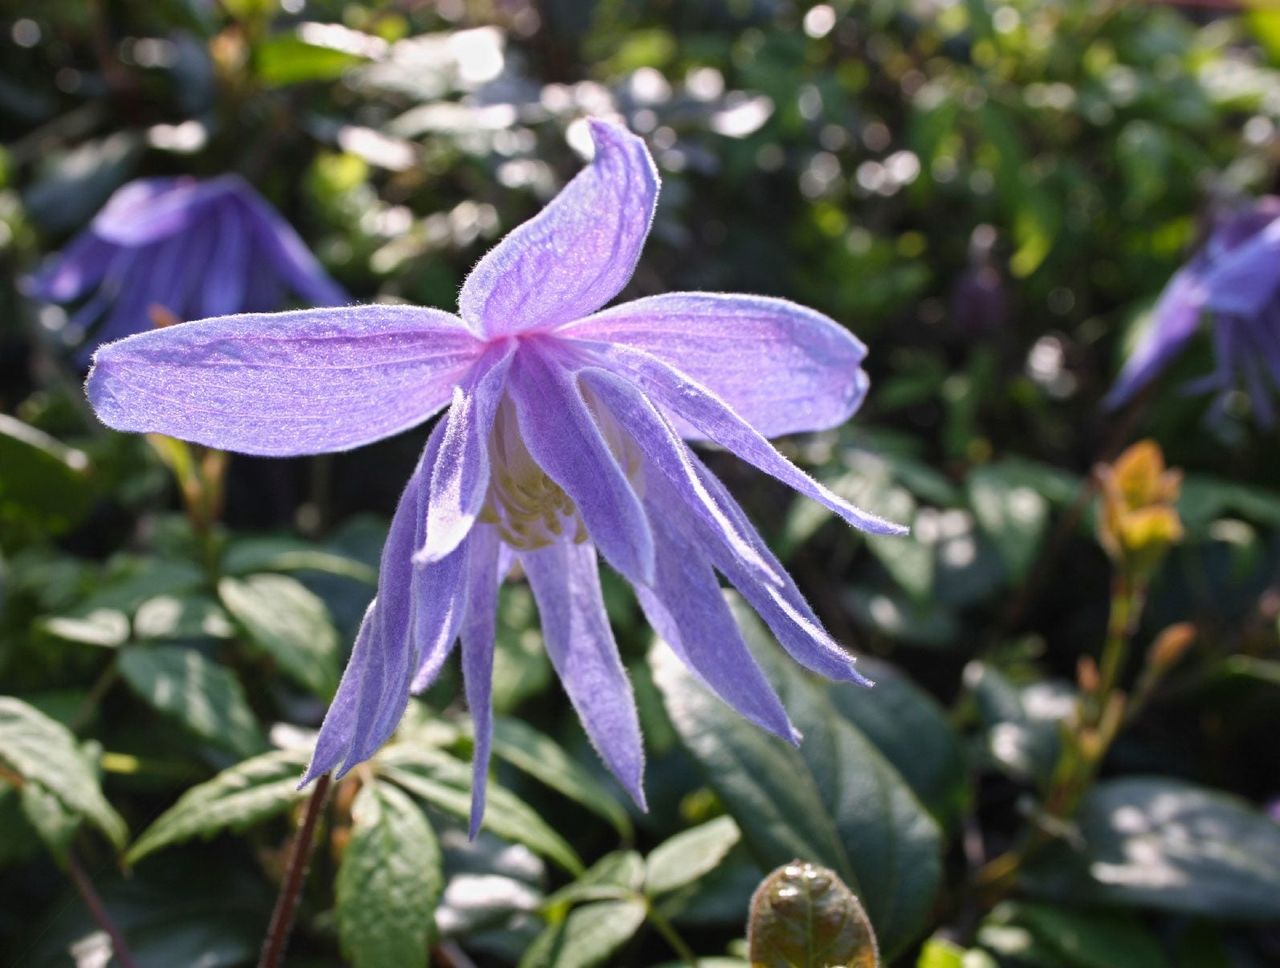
{"x":1232,"y":283}
{"x":979,"y":301}
{"x":173,"y":249}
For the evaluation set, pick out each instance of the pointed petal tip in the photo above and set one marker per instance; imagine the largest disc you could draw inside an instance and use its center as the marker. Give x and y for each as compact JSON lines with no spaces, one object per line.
{"x":795,"y":738}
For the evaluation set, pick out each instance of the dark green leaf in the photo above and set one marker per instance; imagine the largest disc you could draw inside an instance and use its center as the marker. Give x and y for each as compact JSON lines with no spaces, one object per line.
{"x":689,"y":854}
{"x":1012,"y":514}
{"x":587,"y":937}
{"x":245,"y":556}
{"x":187,"y":616}
{"x":237,"y":798}
{"x":803,"y":916}
{"x":1085,"y":939}
{"x":43,"y":483}
{"x":204,"y":697}
{"x":44,"y":751}
{"x":613,"y":876}
{"x":389,"y":881}
{"x":103,"y":618}
{"x":289,"y":623}
{"x":52,"y":819}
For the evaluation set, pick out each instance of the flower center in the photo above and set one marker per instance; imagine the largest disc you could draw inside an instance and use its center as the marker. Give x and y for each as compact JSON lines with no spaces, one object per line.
{"x":528,"y":508}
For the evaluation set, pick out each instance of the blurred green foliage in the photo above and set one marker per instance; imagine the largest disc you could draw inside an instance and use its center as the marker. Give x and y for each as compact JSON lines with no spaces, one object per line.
{"x":991,"y":194}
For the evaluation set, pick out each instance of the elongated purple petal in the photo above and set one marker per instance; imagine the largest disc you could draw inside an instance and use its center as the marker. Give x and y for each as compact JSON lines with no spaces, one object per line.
{"x":1245,"y":279}
{"x":461,"y":475}
{"x":289,"y":383}
{"x":227,"y":271}
{"x":780,"y":367}
{"x":479,"y":627}
{"x":562,"y":437}
{"x":74,"y":271}
{"x":666,"y":454}
{"x":685,"y":607}
{"x":713,"y":417}
{"x":577,"y":253}
{"x":150,"y":209}
{"x":374,"y":689}
{"x":566,"y":586}
{"x":285,"y":252}
{"x":775,"y":599}
{"x":1175,"y":318}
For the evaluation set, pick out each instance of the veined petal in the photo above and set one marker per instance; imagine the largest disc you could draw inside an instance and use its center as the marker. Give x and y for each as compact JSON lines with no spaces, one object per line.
{"x":287,"y":254}
{"x":1174,"y":321}
{"x":685,"y":606}
{"x":461,"y":475}
{"x":780,"y":367}
{"x":562,"y":437}
{"x":374,"y":689}
{"x":776,"y":600}
{"x":149,"y":209}
{"x":282,"y":384}
{"x":666,"y":454}
{"x":566,"y":586}
{"x":713,"y":417}
{"x":479,"y":627}
{"x":577,"y":253}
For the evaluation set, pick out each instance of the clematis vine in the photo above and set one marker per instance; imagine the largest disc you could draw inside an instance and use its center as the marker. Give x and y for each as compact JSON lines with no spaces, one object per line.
{"x":1233,"y":281}
{"x":166,"y":250}
{"x":564,"y":440}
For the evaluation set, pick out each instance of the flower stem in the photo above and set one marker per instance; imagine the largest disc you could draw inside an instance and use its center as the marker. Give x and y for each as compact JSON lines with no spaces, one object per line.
{"x":665,"y":928}
{"x":296,"y":874}
{"x":98,"y":912}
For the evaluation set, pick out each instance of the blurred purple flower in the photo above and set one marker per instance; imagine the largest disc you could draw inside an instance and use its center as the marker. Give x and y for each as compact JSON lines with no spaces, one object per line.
{"x":563,"y":436}
{"x":177,"y":249}
{"x":1234,"y":279}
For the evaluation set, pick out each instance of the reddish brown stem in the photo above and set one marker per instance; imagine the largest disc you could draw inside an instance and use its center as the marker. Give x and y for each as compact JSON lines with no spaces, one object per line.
{"x":295,"y":876}
{"x":98,"y":912}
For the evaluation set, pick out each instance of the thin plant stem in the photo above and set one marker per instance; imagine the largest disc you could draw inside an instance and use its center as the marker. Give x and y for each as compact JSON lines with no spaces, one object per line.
{"x":295,"y":876}
{"x":98,"y":912}
{"x":665,"y":928}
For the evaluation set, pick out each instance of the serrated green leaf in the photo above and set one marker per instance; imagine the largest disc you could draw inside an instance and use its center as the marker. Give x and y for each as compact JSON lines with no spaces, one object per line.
{"x":538,"y":755}
{"x":689,"y":854}
{"x":235,"y":799}
{"x":389,"y":881}
{"x":445,"y":782}
{"x":289,"y":623}
{"x":187,"y":616}
{"x":204,"y":697}
{"x":42,"y":750}
{"x":804,"y":916}
{"x":52,"y":819}
{"x":836,"y":800}
{"x":587,"y":937}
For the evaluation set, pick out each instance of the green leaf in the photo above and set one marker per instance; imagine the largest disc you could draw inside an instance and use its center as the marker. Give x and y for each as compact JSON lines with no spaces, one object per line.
{"x":42,"y":750}
{"x":288,"y":59}
{"x":237,"y":798}
{"x":940,"y":953}
{"x":908,"y":726}
{"x":186,"y":616}
{"x":804,"y":916}
{"x":389,"y":881}
{"x":620,"y":874}
{"x":1013,"y":515}
{"x":587,"y":937}
{"x":289,"y":623}
{"x":1021,"y":724}
{"x":445,"y":782}
{"x":246,"y":556}
{"x":44,"y":485}
{"x":893,"y":614}
{"x":204,"y":697}
{"x":689,"y":854}
{"x":1085,"y":939}
{"x":52,"y":819}
{"x":1165,"y":843}
{"x":836,"y":800}
{"x":538,"y":755}
{"x":1204,"y":499}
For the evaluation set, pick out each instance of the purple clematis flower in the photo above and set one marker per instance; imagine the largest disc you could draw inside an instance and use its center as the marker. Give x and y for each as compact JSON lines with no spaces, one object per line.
{"x":1234,"y":279}
{"x":189,"y":248}
{"x":563,"y":438}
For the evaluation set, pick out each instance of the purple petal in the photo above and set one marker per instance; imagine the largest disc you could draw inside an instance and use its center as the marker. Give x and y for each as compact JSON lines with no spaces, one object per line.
{"x":334,"y":741}
{"x":478,"y":632}
{"x":685,"y":607}
{"x":714,"y":418}
{"x":461,"y":475}
{"x":1245,"y":279}
{"x":282,"y":384}
{"x":566,"y":586}
{"x":577,"y":253}
{"x":666,"y":454}
{"x":227,"y":270}
{"x":150,"y":209}
{"x":74,"y":271}
{"x":286,"y":253}
{"x":562,"y":437}
{"x":780,"y":367}
{"x":1175,"y":319}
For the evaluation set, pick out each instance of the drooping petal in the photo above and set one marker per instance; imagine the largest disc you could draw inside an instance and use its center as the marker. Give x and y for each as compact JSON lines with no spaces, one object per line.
{"x":374,"y":689}
{"x":149,"y":209}
{"x":577,"y":253}
{"x":772,"y":594}
{"x":227,"y":270}
{"x":562,"y":437}
{"x":685,"y":607}
{"x":1174,"y":321}
{"x":479,"y":627}
{"x":780,"y":367}
{"x":285,"y":252}
{"x":282,"y":384}
{"x":713,"y":417}
{"x":74,"y":271}
{"x":1244,"y":280}
{"x":566,"y":586}
{"x":461,"y":475}
{"x":666,"y":454}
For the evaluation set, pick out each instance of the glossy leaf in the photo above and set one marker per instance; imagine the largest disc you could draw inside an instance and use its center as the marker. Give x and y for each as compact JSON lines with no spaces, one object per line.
{"x":288,"y":623}
{"x":689,"y":855}
{"x":804,"y":916}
